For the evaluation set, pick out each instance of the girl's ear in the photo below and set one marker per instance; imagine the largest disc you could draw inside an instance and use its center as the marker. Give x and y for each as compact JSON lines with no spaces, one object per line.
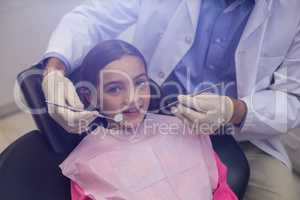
{"x":85,"y":96}
{"x":88,"y":98}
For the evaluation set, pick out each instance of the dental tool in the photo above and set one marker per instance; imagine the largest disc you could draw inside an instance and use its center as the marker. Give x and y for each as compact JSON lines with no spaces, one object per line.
{"x":117,"y":118}
{"x":195,"y":94}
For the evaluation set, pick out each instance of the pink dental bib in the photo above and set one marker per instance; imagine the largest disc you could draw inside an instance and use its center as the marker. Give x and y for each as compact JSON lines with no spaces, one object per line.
{"x":163,"y":160}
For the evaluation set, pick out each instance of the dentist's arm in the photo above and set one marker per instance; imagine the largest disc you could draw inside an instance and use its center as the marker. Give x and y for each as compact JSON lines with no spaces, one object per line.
{"x":275,"y":110}
{"x":271,"y":112}
{"x":87,"y":25}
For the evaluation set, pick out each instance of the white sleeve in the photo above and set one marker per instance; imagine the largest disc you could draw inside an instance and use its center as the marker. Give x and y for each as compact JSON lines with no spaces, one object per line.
{"x":277,"y":110}
{"x":88,"y":24}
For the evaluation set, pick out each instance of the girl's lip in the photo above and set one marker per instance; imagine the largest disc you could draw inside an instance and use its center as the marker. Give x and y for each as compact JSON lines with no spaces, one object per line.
{"x":135,"y":110}
{"x":131,"y":114}
{"x":126,"y":111}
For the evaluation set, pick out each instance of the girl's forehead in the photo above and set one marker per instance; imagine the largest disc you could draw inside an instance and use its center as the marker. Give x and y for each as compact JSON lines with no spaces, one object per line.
{"x":125,"y":67}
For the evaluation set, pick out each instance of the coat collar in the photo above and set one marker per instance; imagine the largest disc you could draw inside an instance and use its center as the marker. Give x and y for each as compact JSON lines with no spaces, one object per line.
{"x":258,"y":15}
{"x":249,"y":48}
{"x":194,"y":10}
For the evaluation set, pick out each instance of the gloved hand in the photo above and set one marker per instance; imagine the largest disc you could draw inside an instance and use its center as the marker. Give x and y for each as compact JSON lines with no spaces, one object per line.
{"x":60,"y":90}
{"x":204,"y":113}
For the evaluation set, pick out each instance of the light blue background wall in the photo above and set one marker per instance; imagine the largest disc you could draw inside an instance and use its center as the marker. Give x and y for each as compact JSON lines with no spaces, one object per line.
{"x":25,"y":27}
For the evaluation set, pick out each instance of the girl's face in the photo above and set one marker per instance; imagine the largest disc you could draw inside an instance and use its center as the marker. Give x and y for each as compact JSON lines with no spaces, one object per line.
{"x":124,"y":88}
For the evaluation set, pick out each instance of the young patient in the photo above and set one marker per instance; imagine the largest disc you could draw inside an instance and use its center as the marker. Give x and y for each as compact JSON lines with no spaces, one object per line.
{"x":146,"y":156}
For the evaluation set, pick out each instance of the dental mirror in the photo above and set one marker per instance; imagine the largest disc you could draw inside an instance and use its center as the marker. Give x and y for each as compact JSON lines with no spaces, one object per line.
{"x":117,"y":118}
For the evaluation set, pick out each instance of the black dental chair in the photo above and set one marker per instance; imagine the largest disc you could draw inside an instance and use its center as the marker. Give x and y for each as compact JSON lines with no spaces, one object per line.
{"x":29,"y":167}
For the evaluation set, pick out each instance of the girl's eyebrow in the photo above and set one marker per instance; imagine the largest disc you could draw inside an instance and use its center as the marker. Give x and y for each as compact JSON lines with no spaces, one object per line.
{"x":120,"y":82}
{"x":140,"y":75}
{"x":112,"y":82}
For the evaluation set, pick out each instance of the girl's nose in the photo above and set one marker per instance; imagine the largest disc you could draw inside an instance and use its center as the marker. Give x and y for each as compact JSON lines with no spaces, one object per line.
{"x":133,"y":100}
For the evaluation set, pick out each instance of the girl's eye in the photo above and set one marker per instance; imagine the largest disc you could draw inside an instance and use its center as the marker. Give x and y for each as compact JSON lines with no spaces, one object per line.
{"x":141,"y":83}
{"x":114,"y":89}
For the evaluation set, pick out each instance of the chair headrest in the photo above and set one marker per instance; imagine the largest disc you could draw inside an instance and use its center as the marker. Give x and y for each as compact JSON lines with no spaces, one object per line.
{"x":30,"y":83}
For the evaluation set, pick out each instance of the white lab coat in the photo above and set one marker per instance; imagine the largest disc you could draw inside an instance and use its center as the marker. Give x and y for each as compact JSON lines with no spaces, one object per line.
{"x":267,"y":57}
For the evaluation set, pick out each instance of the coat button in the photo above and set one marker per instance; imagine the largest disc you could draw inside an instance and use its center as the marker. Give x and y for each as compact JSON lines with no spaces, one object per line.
{"x":188,"y":39}
{"x":212,"y":67}
{"x":161,"y":75}
{"x":218,"y":40}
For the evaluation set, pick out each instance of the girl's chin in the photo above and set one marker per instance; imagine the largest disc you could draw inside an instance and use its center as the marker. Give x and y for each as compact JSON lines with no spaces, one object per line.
{"x":133,"y":120}
{"x":132,"y":116}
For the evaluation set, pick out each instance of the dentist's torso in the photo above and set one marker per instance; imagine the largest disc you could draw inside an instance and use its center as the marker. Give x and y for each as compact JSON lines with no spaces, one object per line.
{"x":271,"y":28}
{"x":171,"y":26}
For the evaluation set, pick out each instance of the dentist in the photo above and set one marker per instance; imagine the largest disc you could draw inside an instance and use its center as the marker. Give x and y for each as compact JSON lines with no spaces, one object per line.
{"x":251,"y":46}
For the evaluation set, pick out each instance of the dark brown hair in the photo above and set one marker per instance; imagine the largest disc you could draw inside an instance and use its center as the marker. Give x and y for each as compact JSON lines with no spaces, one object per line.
{"x":103,"y":54}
